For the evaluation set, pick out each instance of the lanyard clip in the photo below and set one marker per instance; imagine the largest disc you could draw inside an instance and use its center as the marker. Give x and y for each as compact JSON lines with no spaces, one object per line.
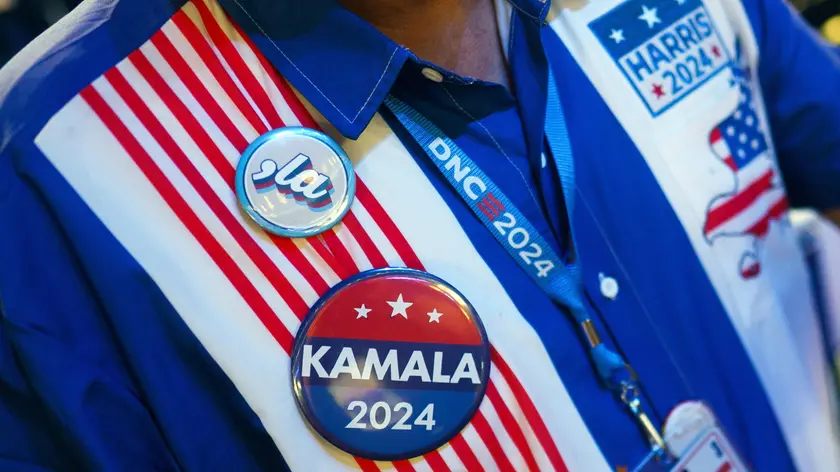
{"x":630,"y":397}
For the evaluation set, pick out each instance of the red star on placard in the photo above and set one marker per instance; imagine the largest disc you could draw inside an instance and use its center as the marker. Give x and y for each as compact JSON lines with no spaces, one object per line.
{"x":716,"y":50}
{"x":657,"y":90}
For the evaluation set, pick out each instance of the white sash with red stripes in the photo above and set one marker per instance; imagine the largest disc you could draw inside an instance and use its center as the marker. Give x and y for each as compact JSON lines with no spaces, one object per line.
{"x":151,"y":147}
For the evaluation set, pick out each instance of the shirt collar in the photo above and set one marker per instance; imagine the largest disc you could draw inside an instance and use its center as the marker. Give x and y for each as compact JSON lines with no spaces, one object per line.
{"x":343,"y":66}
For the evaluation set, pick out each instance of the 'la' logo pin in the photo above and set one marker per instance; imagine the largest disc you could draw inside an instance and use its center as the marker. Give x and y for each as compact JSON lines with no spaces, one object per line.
{"x":295,"y":182}
{"x":390,"y":364}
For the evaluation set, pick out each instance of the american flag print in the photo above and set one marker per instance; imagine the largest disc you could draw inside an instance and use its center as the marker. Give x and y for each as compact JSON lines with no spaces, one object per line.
{"x":757,"y":198}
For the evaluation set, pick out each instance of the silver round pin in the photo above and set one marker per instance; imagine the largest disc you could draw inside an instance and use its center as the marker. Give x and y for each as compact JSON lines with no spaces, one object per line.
{"x":295,"y":182}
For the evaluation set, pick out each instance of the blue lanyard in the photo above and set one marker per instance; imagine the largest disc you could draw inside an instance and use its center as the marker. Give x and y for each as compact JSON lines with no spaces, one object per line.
{"x":560,"y":281}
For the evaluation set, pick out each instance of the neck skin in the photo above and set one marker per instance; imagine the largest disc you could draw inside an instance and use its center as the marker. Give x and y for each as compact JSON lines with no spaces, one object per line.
{"x":458,"y":35}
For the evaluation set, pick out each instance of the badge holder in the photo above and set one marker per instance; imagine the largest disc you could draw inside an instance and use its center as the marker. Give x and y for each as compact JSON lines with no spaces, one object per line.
{"x":694,"y":442}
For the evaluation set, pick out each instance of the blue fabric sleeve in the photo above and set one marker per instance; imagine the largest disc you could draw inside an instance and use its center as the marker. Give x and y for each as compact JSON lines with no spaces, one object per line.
{"x":800,"y":78}
{"x":66,"y":395}
{"x":97,"y":369}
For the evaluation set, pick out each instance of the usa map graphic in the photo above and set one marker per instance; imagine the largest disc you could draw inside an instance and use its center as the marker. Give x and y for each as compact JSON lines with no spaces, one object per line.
{"x":758,"y":197}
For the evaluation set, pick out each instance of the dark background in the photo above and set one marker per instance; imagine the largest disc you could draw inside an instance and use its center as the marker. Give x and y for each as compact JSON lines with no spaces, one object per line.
{"x":817,"y":12}
{"x":22,"y":20}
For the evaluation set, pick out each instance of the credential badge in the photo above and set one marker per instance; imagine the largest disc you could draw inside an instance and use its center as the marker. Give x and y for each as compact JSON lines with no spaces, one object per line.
{"x":698,"y":442}
{"x":295,"y":182}
{"x":390,"y":364}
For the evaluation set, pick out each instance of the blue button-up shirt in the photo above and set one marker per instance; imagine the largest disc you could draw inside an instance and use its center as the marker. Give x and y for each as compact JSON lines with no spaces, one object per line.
{"x":125,"y":272}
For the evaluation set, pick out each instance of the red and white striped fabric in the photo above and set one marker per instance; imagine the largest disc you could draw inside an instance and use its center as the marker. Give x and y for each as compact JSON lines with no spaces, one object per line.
{"x":167,"y":125}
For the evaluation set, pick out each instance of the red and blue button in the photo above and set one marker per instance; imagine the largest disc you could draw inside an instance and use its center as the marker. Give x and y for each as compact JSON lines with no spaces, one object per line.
{"x":390,"y":364}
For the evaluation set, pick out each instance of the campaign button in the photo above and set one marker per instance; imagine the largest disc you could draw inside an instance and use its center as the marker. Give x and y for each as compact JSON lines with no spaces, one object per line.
{"x":390,"y":364}
{"x":295,"y":182}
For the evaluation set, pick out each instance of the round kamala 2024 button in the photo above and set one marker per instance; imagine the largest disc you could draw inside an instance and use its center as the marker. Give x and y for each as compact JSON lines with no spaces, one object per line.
{"x":295,"y":182}
{"x":390,"y":364}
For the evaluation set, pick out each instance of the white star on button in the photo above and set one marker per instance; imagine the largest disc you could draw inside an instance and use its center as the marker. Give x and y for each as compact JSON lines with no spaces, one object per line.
{"x":649,"y":16}
{"x":617,"y":36}
{"x":362,"y":311}
{"x":434,"y":316}
{"x":399,"y":307}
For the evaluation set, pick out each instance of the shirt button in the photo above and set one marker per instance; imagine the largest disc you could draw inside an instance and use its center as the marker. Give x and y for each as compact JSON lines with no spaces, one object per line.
{"x":432,"y":74}
{"x":609,"y":287}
